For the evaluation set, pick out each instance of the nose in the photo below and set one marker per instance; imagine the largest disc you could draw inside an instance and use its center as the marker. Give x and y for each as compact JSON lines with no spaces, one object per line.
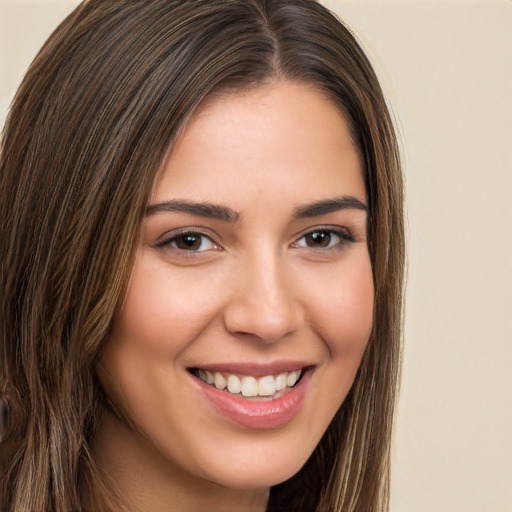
{"x":263,"y":304}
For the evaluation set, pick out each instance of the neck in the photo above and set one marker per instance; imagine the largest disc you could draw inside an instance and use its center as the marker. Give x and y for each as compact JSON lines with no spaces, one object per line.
{"x":148,"y":482}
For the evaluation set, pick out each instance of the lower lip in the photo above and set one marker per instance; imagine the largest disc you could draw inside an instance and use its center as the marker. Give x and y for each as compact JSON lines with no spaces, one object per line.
{"x":258,"y":414}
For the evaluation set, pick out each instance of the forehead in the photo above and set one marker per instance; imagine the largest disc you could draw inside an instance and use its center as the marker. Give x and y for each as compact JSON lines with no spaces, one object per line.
{"x":285,"y":137}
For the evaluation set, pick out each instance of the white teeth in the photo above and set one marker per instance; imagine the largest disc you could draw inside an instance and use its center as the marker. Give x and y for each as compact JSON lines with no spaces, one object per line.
{"x":248,"y":386}
{"x":234,"y":384}
{"x":219,"y":381}
{"x":266,"y":386}
{"x":292,"y":378}
{"x":281,"y":381}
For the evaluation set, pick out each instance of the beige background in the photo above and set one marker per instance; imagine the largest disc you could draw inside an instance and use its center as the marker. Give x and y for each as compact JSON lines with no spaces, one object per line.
{"x":446,"y":68}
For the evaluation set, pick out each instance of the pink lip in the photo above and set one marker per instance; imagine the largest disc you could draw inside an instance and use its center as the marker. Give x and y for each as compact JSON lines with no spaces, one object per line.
{"x":258,"y":414}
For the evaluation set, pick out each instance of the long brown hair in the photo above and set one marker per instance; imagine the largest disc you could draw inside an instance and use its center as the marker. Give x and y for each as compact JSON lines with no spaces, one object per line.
{"x":91,"y":124}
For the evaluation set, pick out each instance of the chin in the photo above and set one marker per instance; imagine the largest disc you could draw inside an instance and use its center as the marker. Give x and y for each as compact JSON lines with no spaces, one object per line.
{"x":257,"y":468}
{"x":252,"y":478}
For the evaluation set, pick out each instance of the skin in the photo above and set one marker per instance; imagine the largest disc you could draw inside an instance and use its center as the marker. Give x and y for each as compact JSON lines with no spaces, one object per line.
{"x":257,"y":290}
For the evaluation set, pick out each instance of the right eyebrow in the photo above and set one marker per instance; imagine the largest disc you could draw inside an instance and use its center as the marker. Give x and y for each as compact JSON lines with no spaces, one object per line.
{"x":330,"y":205}
{"x":210,"y":210}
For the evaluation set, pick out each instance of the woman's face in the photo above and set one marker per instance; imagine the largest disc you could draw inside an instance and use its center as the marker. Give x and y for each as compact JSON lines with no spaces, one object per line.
{"x":253,"y":273}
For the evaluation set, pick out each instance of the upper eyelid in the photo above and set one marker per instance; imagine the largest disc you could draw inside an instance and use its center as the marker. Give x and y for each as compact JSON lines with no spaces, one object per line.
{"x":343,"y":230}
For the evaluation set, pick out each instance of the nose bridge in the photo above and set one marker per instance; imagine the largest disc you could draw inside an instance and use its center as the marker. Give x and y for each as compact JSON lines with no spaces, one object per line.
{"x":264,"y":304}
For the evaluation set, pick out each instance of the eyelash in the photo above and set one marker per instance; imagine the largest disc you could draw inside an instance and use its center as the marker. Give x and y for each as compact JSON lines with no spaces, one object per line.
{"x":343,"y":235}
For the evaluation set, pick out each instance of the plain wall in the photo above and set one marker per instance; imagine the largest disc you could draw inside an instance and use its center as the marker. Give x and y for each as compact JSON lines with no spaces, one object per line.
{"x":446,"y":69}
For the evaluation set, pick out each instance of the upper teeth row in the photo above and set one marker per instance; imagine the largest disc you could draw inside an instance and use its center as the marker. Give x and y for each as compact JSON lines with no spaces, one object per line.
{"x":248,"y":385}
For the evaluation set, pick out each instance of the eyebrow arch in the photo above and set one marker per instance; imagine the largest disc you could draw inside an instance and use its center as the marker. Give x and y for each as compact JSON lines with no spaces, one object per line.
{"x":209,"y":210}
{"x":328,"y":206}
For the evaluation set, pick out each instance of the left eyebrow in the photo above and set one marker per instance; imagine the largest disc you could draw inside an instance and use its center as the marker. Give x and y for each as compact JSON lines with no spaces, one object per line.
{"x":209,"y":210}
{"x":328,"y":206}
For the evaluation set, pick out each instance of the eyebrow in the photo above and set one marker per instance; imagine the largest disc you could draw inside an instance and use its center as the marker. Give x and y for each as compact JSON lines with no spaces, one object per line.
{"x":209,"y":210}
{"x":328,"y":206}
{"x":220,"y":212}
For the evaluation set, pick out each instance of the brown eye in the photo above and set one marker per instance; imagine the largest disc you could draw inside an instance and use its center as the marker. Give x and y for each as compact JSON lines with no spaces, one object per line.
{"x":193,"y":242}
{"x":320,"y":239}
{"x":325,"y":238}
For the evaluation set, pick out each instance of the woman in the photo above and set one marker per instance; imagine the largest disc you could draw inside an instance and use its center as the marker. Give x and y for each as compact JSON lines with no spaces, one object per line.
{"x":202,"y":263}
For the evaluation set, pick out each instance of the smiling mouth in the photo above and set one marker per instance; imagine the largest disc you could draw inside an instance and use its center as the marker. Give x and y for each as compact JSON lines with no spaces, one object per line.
{"x":268,"y":387}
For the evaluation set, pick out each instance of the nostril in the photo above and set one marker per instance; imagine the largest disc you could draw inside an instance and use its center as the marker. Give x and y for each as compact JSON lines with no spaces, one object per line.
{"x":262,"y":304}
{"x":266,"y":323}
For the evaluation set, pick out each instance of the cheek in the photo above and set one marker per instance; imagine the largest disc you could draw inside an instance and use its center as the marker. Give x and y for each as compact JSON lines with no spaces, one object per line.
{"x":344,"y":323}
{"x":164,"y":311}
{"x":162,"y":314}
{"x":343,"y":317}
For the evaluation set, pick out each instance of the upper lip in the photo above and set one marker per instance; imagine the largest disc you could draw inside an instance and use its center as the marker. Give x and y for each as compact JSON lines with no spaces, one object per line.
{"x":256,"y":369}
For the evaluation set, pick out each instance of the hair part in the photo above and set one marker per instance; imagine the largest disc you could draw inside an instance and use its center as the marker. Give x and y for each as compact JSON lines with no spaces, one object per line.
{"x":91,"y":125}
